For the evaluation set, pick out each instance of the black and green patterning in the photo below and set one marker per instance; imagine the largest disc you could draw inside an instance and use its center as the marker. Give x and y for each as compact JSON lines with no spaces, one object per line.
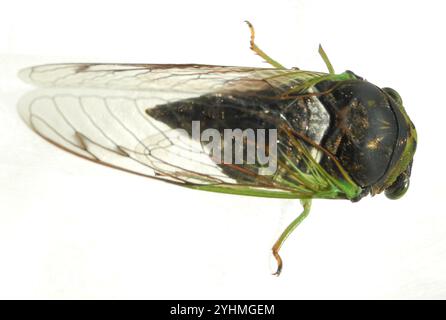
{"x":338,"y":136}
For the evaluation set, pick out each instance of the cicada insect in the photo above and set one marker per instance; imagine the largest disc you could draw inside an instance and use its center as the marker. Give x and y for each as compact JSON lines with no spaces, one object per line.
{"x":336,"y":136}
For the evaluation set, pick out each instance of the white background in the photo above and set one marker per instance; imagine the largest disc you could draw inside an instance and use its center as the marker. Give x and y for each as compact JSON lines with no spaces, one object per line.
{"x":73,"y":229}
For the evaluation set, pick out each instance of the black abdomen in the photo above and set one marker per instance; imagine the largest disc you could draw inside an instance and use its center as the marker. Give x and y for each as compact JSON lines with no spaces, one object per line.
{"x":257,"y":110}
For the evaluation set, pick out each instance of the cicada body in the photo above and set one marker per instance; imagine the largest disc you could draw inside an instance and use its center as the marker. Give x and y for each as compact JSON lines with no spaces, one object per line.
{"x":352,"y":130}
{"x":269,"y":132}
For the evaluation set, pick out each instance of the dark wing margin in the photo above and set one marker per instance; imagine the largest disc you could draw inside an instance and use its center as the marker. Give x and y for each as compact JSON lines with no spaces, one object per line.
{"x":99,"y":112}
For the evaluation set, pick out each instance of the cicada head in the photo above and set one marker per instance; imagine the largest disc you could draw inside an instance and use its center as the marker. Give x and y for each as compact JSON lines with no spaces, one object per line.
{"x":398,"y":176}
{"x":374,"y":140}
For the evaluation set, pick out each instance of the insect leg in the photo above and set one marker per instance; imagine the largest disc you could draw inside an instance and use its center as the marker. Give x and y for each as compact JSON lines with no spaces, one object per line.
{"x":259,"y":51}
{"x":326,"y":60}
{"x":307,"y":206}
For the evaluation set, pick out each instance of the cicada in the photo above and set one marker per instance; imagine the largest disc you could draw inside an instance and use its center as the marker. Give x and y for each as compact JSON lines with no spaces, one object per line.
{"x":336,"y":136}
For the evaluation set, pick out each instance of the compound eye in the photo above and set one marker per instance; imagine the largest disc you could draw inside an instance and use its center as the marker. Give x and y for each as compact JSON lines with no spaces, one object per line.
{"x":394,"y":95}
{"x":398,"y":188}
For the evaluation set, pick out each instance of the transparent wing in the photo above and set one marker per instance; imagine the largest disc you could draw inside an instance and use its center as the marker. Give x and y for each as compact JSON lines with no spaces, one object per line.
{"x":102,"y":113}
{"x":187,"y":78}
